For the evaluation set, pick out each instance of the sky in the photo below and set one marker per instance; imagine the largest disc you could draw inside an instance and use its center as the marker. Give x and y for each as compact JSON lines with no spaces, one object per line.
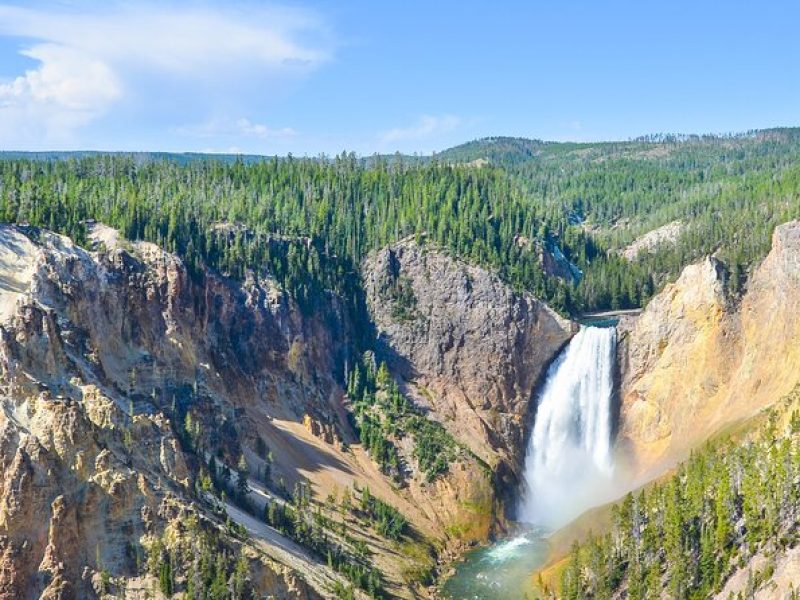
{"x":325,"y":76}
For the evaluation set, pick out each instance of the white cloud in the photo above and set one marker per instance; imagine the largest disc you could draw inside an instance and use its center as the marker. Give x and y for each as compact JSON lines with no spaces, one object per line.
{"x":66,"y":77}
{"x":246,"y":128}
{"x":92,"y":57}
{"x":426,"y":127}
{"x":68,"y":90}
{"x":242,"y":127}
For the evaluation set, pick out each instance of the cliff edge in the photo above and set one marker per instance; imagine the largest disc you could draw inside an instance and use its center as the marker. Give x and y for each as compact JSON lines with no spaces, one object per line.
{"x":696,"y":361}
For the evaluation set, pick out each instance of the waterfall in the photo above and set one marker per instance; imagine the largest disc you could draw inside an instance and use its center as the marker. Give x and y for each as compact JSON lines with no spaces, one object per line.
{"x":568,"y":465}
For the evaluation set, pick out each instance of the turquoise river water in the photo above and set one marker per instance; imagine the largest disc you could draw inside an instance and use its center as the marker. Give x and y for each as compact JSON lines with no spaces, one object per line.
{"x":501,"y":571}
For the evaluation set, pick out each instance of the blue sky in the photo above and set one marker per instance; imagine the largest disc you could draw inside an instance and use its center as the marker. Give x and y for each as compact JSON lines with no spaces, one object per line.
{"x":380,"y":76}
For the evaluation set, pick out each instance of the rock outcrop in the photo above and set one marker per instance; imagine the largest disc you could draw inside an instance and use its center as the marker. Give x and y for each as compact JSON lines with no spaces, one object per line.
{"x":696,"y":361}
{"x":98,"y":351}
{"x":469,"y":348}
{"x":653,"y":240}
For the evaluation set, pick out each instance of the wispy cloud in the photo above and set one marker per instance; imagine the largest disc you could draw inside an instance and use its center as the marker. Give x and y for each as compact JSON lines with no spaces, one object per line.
{"x":425,"y":128}
{"x":90,"y":57}
{"x":242,"y":127}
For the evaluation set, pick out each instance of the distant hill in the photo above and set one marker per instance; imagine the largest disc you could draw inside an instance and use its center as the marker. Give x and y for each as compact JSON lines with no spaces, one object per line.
{"x":514,"y":151}
{"x":505,"y":151}
{"x":496,"y":150}
{"x":178,"y":157}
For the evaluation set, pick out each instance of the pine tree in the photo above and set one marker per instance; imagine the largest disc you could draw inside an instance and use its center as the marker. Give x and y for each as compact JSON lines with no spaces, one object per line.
{"x":242,"y":474}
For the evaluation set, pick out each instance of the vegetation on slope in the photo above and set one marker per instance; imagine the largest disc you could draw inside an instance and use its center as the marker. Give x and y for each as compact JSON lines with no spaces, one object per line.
{"x":382,"y":413}
{"x":199,"y":563}
{"x":319,"y":526}
{"x":736,"y":498}
{"x":310,"y":222}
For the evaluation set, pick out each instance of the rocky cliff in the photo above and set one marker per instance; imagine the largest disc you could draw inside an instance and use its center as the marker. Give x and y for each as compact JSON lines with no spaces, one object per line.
{"x":122,"y":373}
{"x":696,"y":361}
{"x":469,"y":348}
{"x":97,"y":354}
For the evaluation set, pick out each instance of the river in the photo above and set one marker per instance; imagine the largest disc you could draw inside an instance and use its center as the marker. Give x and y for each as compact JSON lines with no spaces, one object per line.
{"x":501,"y":571}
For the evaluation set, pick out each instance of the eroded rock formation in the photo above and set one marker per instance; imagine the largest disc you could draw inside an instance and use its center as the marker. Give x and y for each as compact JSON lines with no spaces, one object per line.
{"x":109,"y":356}
{"x":470,"y":348}
{"x":93,"y":350}
{"x":695,"y":360}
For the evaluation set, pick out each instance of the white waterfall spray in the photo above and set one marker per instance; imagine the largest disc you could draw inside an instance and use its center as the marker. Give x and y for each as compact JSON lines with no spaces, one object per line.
{"x":568,"y":466}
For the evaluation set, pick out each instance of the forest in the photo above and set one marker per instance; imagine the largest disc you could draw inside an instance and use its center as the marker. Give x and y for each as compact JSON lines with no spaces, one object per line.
{"x":517,"y":207}
{"x":500,"y":202}
{"x":735,"y":499}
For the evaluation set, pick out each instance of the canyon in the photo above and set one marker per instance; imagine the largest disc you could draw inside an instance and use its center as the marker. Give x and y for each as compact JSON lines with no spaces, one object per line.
{"x":108,"y":350}
{"x":698,"y":359}
{"x":109,"y":353}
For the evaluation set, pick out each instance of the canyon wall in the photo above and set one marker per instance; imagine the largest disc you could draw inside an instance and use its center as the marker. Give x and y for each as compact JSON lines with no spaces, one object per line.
{"x":468,"y":348}
{"x":96,"y":352}
{"x":696,"y":361}
{"x":115,"y":358}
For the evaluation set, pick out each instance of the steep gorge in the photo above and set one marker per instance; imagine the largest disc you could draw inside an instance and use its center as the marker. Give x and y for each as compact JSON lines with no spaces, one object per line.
{"x":104,"y":350}
{"x":122,"y":372}
{"x":703,"y":374}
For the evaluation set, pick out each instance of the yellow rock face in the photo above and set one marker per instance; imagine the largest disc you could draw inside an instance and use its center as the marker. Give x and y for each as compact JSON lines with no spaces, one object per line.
{"x":696,"y":361}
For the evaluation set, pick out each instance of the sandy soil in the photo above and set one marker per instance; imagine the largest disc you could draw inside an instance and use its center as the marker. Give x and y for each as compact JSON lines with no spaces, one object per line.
{"x":298,"y":455}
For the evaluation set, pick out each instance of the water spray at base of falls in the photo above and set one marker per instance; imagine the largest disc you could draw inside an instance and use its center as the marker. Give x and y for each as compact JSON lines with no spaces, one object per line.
{"x":568,"y":465}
